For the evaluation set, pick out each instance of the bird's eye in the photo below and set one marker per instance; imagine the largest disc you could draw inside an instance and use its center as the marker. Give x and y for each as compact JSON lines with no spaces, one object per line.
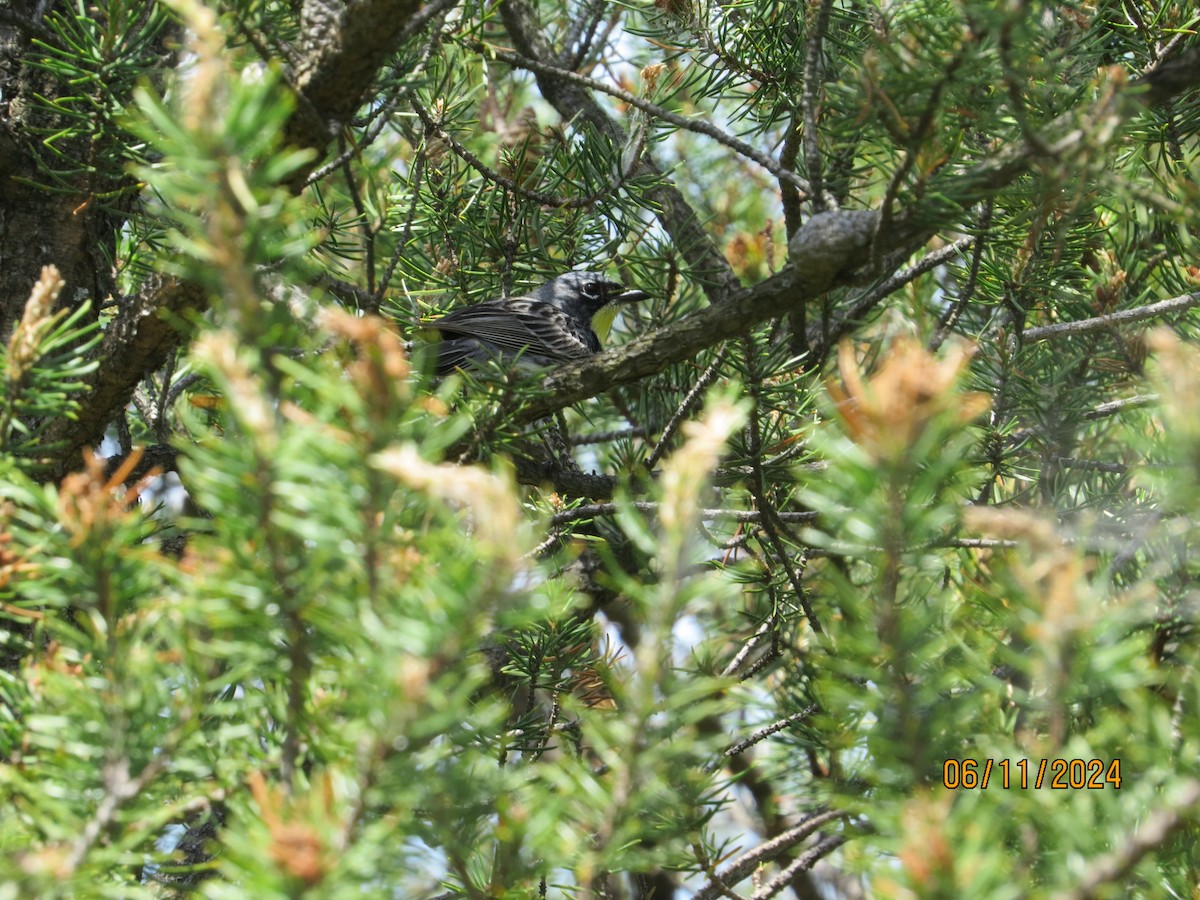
{"x":591,"y":289}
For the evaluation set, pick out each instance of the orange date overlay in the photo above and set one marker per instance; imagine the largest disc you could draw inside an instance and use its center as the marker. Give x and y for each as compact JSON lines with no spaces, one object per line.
{"x":1056,"y":774}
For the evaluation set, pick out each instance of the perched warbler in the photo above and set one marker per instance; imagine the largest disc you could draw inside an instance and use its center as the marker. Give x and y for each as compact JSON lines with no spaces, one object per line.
{"x":556,"y":322}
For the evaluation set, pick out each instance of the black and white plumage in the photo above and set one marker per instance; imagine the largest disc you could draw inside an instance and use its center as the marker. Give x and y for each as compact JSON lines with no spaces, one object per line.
{"x":552,"y":324}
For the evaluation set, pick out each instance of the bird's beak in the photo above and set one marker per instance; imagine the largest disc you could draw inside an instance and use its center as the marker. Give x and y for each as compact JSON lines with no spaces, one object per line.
{"x":630,"y":297}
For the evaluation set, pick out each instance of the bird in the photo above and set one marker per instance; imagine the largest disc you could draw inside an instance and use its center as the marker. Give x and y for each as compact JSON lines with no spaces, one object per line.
{"x":551,"y":324}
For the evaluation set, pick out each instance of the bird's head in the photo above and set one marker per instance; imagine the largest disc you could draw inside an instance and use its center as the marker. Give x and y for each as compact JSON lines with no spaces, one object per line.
{"x":590,"y":295}
{"x":589,"y":290}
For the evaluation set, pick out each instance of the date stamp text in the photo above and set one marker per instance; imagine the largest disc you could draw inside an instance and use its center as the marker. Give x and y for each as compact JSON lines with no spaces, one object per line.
{"x":1022,"y":774}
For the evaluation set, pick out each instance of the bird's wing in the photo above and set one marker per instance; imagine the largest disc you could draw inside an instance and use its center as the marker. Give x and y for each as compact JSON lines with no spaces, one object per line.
{"x":521,"y":324}
{"x":454,"y":353}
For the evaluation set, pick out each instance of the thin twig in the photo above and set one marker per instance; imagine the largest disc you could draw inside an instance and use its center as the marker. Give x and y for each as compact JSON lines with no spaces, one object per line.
{"x":1092,"y":465}
{"x":694,"y":242}
{"x":790,"y":197}
{"x":1113,"y":407}
{"x":1015,"y":86}
{"x":118,"y":787}
{"x":181,"y":385}
{"x":685,"y":407}
{"x":592,"y":510}
{"x":812,"y":79}
{"x":368,"y":232}
{"x":1141,"y":313}
{"x":416,"y":177}
{"x":161,"y":430}
{"x":954,"y":310}
{"x":919,"y":133}
{"x":804,"y":861}
{"x":1152,"y":834}
{"x":703,"y":33}
{"x":747,"y":648}
{"x":607,"y":437}
{"x":581,"y":34}
{"x":1103,"y":411}
{"x":772,"y":525}
{"x":868,"y":301}
{"x":748,"y":862}
{"x":763,"y":733}
{"x":1183,"y":32}
{"x":353,"y":148}
{"x":424,"y":15}
{"x":434,"y":127}
{"x":694,"y":125}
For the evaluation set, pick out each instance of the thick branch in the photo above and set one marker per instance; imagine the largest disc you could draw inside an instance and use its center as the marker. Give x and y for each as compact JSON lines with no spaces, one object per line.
{"x":1073,"y":132}
{"x":1170,"y":78}
{"x":564,"y":481}
{"x":138,"y":342}
{"x":345,"y":46}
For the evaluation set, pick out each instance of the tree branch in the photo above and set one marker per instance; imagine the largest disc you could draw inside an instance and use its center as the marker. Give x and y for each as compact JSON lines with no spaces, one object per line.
{"x":593,"y":510}
{"x":571,"y":100}
{"x":344,"y":47}
{"x":1170,"y":77}
{"x":749,"y":861}
{"x":828,"y":251}
{"x":139,"y":341}
{"x":825,"y":253}
{"x":1151,"y":835}
{"x":697,"y":126}
{"x":763,"y":733}
{"x":1100,"y":323}
{"x":564,"y":481}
